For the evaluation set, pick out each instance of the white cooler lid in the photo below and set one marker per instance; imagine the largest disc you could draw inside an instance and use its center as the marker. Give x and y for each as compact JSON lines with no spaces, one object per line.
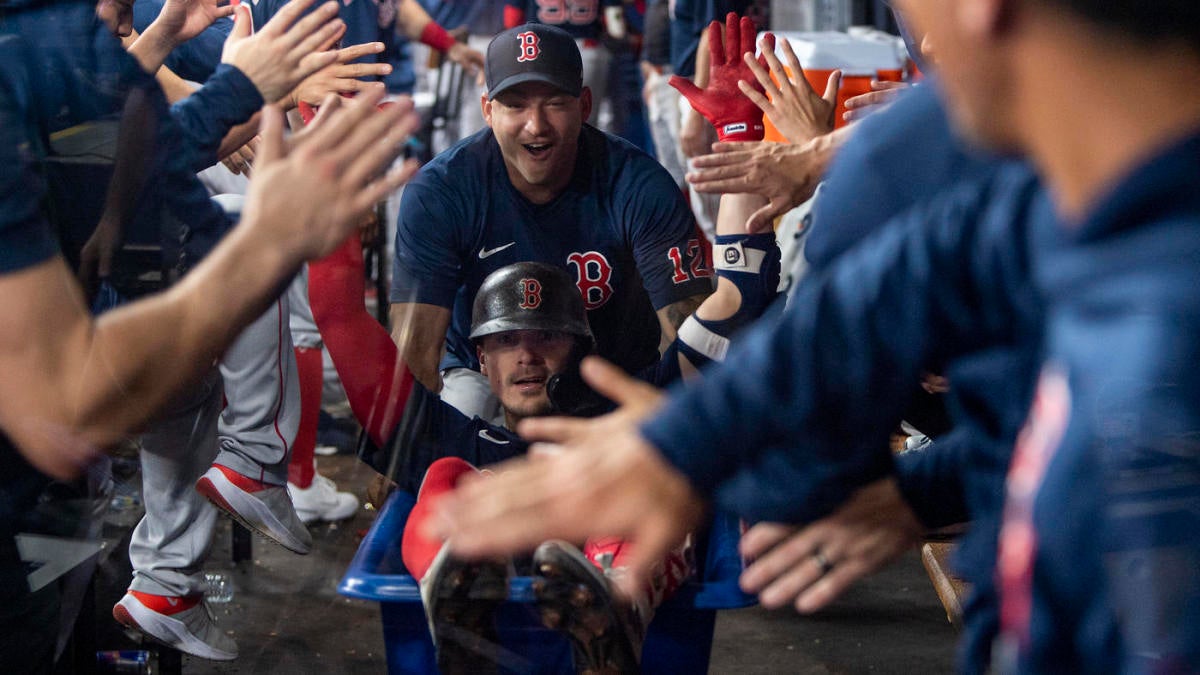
{"x":853,"y":54}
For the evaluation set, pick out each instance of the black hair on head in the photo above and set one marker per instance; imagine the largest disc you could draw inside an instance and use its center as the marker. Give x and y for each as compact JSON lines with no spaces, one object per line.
{"x":1150,"y":21}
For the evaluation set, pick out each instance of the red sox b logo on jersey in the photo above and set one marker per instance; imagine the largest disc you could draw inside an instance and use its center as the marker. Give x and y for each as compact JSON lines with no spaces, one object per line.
{"x":531,"y":292}
{"x":594,"y":276}
{"x":530,"y":47}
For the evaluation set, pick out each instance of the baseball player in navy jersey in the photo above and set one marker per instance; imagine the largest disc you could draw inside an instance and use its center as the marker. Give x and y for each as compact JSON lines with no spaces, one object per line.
{"x":529,"y":329}
{"x":75,"y":385}
{"x":541,"y":185}
{"x":1097,"y":551}
{"x":236,"y":457}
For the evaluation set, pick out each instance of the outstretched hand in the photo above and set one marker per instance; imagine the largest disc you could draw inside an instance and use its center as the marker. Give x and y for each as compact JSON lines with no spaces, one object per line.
{"x":735,"y":117}
{"x":787,"y":175}
{"x":313,"y":189}
{"x":341,"y":76}
{"x":603,"y":479}
{"x":811,"y":566}
{"x":182,"y":20}
{"x":796,"y":110}
{"x":882,"y":93}
{"x":286,"y":50}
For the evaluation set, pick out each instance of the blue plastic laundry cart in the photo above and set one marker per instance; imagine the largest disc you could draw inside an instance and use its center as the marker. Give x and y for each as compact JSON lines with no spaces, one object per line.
{"x":679,"y":639}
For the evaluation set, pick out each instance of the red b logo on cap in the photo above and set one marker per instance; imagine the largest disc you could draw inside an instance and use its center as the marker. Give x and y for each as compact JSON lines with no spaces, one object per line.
{"x":529,"y":46}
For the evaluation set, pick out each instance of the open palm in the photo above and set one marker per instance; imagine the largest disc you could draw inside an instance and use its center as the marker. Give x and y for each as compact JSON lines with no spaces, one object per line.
{"x":185,"y":19}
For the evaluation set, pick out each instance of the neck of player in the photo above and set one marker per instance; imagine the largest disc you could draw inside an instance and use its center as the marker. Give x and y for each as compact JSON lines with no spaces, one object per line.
{"x":1094,"y":106}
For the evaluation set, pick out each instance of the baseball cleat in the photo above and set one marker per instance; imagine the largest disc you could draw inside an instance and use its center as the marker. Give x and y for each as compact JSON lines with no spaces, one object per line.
{"x":575,"y":598}
{"x":183,"y":623}
{"x":261,"y":507}
{"x":461,"y":598}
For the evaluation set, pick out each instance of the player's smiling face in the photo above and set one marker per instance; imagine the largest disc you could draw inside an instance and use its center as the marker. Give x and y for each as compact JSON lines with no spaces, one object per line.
{"x":517,"y":364}
{"x":537,"y":127}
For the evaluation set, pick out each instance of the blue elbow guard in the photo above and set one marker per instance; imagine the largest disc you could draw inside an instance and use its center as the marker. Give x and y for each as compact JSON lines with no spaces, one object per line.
{"x":751,"y":262}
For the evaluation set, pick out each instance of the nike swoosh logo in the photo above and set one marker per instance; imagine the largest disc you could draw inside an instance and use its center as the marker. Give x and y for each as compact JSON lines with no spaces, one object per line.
{"x":488,"y":252}
{"x":172,"y":601}
{"x":483,"y":433}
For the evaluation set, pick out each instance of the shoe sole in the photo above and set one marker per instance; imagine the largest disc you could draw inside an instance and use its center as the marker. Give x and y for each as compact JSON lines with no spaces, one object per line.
{"x":461,"y":608}
{"x":574,"y":598}
{"x":207,"y":487}
{"x":133,"y":614}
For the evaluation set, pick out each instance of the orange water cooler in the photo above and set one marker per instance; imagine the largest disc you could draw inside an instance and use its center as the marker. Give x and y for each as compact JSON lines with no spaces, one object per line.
{"x":862,"y":56}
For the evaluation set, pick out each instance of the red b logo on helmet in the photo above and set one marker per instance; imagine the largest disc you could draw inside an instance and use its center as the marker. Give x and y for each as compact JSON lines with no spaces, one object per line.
{"x":531,"y":290}
{"x":530,"y":48}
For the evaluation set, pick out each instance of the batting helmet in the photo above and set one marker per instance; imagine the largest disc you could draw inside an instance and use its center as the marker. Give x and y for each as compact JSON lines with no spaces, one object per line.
{"x":529,"y":296}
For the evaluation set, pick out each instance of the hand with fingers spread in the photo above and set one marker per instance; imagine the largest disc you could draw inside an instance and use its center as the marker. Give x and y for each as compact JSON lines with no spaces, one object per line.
{"x":735,"y":117}
{"x":882,"y":93}
{"x":286,"y":50}
{"x":313,"y":189}
{"x":182,"y":20}
{"x":605,"y":480}
{"x":341,"y":76}
{"x":787,"y":175}
{"x":810,"y":566}
{"x":798,"y":112}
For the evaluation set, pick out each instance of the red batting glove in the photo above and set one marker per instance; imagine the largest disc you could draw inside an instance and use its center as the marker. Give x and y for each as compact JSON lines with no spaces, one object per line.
{"x":735,"y":117}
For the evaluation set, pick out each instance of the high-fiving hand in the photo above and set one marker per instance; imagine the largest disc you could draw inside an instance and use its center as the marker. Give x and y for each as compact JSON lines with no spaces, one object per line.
{"x":810,"y":566}
{"x":185,"y":19}
{"x":314,"y":188}
{"x":735,"y":117}
{"x":285,"y":50}
{"x":796,"y":110}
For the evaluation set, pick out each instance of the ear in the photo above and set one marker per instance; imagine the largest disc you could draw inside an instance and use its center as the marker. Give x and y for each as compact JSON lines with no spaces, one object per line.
{"x":585,"y":102}
{"x":486,"y":106}
{"x":482,"y":361}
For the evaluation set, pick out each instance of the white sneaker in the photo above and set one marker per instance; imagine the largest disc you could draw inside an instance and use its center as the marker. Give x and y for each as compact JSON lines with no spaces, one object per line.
{"x":322,"y":501}
{"x":325,"y":450}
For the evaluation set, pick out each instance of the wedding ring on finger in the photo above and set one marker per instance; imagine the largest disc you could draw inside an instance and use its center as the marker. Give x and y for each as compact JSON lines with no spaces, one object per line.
{"x":819,"y":557}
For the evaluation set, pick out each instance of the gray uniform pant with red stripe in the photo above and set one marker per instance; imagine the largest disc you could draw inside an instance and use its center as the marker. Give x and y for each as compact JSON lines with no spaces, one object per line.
{"x":251,"y":435}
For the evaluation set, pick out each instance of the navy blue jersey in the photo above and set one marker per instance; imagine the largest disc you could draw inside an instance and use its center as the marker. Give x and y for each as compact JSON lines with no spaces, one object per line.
{"x":621,"y":229}
{"x":25,"y":240}
{"x":480,"y":17}
{"x":1100,"y":539}
{"x":59,"y":67}
{"x":903,"y":156}
{"x":899,"y":157}
{"x":582,"y":19}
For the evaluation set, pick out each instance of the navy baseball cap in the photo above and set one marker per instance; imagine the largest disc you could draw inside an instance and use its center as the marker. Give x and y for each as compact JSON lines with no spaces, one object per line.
{"x":534,"y":52}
